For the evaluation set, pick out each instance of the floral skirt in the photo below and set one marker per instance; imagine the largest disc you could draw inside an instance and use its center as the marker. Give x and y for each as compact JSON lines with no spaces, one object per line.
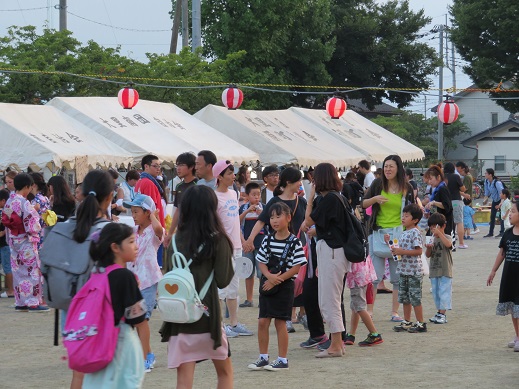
{"x":508,"y":308}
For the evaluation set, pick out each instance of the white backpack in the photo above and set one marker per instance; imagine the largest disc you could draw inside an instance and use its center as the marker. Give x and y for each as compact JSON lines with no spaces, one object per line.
{"x":178,"y":300}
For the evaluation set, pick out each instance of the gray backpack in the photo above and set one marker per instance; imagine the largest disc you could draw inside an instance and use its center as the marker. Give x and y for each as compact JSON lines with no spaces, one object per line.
{"x":65,"y":263}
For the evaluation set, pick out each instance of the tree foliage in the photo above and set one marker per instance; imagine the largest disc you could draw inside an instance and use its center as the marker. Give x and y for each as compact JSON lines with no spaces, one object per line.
{"x":423,"y":133}
{"x":486,"y":34}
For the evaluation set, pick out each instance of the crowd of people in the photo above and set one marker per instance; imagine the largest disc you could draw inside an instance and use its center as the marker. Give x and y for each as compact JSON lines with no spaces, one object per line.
{"x":291,"y":227}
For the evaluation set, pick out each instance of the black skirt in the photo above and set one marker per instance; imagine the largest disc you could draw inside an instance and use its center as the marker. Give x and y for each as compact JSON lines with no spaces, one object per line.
{"x":279,"y":305}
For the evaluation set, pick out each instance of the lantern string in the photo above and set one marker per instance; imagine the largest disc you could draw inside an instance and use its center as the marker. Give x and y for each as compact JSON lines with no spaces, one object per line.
{"x":198,"y":84}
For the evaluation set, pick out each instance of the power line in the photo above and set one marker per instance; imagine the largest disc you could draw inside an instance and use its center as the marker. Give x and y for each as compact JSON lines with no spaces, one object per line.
{"x":23,"y":9}
{"x":114,"y":27}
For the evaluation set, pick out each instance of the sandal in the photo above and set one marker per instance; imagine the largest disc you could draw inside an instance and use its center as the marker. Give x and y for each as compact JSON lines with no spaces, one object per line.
{"x":396,"y":319}
{"x":5,"y":295}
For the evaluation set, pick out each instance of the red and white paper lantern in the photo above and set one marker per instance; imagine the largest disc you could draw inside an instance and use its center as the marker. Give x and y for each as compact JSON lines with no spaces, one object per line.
{"x":336,"y":106}
{"x":128,"y":97}
{"x":232,"y":97}
{"x":448,"y":112}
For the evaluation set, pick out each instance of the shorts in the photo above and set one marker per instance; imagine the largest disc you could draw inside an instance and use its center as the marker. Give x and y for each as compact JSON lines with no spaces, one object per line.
{"x":410,"y":290}
{"x":231,"y":291}
{"x":255,"y":268}
{"x":150,"y":297}
{"x":457,"y":211}
{"x":5,"y":255}
{"x":358,"y":298}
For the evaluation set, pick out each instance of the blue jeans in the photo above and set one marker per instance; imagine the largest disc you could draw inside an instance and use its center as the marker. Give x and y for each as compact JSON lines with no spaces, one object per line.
{"x":380,"y":267}
{"x":5,"y":256}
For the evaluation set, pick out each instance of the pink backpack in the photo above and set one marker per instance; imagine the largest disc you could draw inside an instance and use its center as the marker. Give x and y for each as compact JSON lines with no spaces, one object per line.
{"x":90,"y":335}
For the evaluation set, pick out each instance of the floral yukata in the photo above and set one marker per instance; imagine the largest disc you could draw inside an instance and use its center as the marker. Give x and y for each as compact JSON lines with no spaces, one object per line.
{"x":44,"y":205}
{"x":23,"y":223}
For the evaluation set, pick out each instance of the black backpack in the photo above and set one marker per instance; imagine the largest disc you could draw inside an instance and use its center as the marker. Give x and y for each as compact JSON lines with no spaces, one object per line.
{"x":353,"y":192}
{"x":355,"y":246}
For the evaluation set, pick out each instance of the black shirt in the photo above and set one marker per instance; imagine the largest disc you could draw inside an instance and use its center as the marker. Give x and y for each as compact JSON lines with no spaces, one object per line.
{"x":180,"y":189}
{"x":329,"y":217}
{"x":454,"y":184}
{"x":64,"y":211}
{"x":297,"y":218}
{"x":125,"y":297}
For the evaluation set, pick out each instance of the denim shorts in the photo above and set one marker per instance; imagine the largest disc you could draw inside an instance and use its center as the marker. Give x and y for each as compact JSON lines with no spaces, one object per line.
{"x":150,"y":297}
{"x":410,"y":290}
{"x":5,"y":255}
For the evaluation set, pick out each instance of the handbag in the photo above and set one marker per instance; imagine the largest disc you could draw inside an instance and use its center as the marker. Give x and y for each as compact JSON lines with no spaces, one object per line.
{"x":380,"y":247}
{"x":280,"y":266}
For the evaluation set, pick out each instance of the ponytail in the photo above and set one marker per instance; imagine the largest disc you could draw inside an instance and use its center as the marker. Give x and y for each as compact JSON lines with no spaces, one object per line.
{"x":96,"y":187}
{"x":289,"y":174}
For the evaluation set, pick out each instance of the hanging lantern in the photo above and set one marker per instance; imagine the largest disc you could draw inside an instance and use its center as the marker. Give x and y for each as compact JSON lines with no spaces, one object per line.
{"x":232,"y":97}
{"x":128,"y":97}
{"x":448,"y":111}
{"x":336,"y":107}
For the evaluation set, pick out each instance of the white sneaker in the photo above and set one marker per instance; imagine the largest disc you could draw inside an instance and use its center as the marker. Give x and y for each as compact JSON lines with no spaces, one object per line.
{"x":229,"y":332}
{"x":241,"y":330}
{"x":463,"y":246}
{"x":511,"y":344}
{"x":441,"y":318}
{"x":516,"y":346}
{"x":476,"y":231}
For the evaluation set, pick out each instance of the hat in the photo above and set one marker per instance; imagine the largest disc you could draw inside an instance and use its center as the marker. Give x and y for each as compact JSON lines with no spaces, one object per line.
{"x":142,"y":201}
{"x":219,"y":167}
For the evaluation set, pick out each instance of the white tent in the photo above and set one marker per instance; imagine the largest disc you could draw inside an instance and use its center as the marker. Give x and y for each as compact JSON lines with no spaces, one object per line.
{"x":162,"y":129}
{"x":42,"y":136}
{"x":362,"y":134}
{"x":280,"y":137}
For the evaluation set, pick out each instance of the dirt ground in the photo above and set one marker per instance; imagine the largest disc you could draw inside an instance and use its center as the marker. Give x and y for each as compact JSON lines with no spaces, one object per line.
{"x":469,"y":351}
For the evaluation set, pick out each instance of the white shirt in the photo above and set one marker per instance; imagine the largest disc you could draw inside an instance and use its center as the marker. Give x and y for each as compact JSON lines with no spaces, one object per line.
{"x":370,"y":177}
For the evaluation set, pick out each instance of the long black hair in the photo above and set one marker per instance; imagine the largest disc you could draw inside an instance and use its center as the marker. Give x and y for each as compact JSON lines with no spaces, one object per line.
{"x":100,"y":248}
{"x":40,"y":182}
{"x":289,"y":174}
{"x":198,"y":222}
{"x":97,"y":186}
{"x":61,"y":193}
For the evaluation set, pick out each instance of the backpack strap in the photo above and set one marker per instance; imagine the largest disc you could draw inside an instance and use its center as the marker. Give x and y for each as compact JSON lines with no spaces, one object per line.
{"x":180,"y":261}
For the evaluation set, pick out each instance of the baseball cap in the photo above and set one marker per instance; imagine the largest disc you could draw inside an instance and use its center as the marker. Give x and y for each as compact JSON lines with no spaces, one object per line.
{"x":220,"y":166}
{"x":143,"y":201}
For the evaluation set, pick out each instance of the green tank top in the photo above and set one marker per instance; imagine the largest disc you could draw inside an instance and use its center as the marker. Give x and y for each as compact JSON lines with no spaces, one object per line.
{"x":390,"y":212}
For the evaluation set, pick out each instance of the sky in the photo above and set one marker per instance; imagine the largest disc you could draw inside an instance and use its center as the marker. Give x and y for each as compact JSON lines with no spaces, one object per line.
{"x":140,"y":28}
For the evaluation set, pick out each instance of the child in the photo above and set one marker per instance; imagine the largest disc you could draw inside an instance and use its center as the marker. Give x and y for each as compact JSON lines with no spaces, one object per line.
{"x":115,"y":244}
{"x":5,"y":252}
{"x":249,"y":213}
{"x":359,"y":281}
{"x":506,"y":205}
{"x":508,"y":291}
{"x":149,"y":235}
{"x":410,"y":269}
{"x":228,"y":210}
{"x":440,"y":268}
{"x":468,"y":213}
{"x":279,"y":259}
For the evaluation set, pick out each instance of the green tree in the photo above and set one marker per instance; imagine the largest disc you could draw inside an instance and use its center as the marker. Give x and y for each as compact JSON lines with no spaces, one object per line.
{"x":377,"y":46}
{"x":486,"y":34}
{"x":422,"y":133}
{"x":286,"y":42}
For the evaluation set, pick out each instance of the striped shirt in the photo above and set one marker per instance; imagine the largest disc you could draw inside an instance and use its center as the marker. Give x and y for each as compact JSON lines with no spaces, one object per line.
{"x":296,"y":255}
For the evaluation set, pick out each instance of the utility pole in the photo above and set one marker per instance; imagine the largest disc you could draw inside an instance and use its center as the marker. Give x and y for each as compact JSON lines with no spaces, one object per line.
{"x":197,"y":25}
{"x":62,"y":15}
{"x":176,"y":27}
{"x":185,"y":23}
{"x":440,"y":97}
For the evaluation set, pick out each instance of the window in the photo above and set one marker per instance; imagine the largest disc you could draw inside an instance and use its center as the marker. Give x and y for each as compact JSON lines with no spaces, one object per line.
{"x":495,"y":118}
{"x":499,"y":163}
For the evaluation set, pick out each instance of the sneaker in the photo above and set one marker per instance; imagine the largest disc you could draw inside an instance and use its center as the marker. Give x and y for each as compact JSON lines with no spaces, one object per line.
{"x":314,"y":342}
{"x":151,"y":360}
{"x":476,"y":231}
{"x":418,"y":327}
{"x":371,"y":340}
{"x":403,"y":326}
{"x":498,"y":236}
{"x":241,"y":330}
{"x":230,"y":333}
{"x":277,"y":365}
{"x":23,"y":308}
{"x":463,"y":246}
{"x":440,"y":318}
{"x":325,"y":345}
{"x":39,"y":308}
{"x":246,"y":304}
{"x":435,"y":317}
{"x":511,"y":344}
{"x":350,"y":340}
{"x":304,"y":322}
{"x":290,"y":327}
{"x":147,"y":367}
{"x":488,"y":236}
{"x":516,"y":347}
{"x":260,"y":364}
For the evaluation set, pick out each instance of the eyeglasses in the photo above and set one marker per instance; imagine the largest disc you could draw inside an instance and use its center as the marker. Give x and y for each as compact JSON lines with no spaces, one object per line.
{"x":156,"y":166}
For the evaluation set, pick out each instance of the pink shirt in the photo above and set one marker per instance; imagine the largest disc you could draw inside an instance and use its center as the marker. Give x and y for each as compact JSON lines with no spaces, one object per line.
{"x":229,"y":212}
{"x":146,"y":267}
{"x":361,"y":274}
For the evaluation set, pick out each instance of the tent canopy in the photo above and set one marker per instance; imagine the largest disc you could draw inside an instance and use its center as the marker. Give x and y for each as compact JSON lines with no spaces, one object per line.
{"x":158,"y":128}
{"x":362,"y":134}
{"x":42,"y":136}
{"x":280,"y":137}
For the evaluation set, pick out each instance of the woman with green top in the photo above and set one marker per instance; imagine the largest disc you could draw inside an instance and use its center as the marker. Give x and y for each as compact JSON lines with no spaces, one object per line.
{"x":387,"y":195}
